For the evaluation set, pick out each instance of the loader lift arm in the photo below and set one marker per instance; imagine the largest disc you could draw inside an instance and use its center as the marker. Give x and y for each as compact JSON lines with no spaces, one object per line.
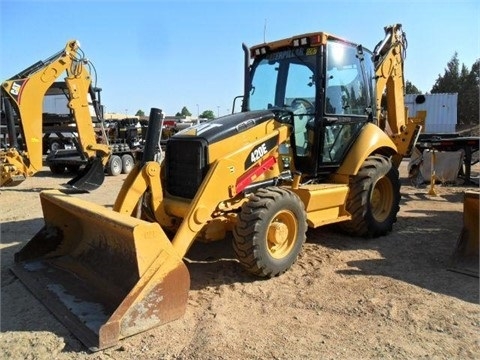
{"x":24,"y":93}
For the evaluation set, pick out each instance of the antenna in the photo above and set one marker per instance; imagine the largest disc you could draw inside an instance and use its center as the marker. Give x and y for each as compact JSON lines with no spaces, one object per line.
{"x":264,"y":31}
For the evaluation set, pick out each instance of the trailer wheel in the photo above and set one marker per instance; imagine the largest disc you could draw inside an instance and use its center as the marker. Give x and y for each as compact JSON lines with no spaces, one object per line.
{"x":374,"y":198}
{"x":270,"y":232}
{"x":114,"y":165}
{"x":57,"y":169}
{"x":127,"y":163}
{"x":56,"y":145}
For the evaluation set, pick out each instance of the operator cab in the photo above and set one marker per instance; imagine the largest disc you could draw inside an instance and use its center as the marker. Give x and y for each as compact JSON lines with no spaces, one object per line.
{"x":327,"y":86}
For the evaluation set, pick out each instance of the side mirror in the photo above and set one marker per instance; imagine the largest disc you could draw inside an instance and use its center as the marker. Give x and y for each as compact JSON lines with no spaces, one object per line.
{"x":237,"y":98}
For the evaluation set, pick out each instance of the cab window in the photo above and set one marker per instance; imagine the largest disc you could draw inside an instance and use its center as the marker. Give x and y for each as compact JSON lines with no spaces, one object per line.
{"x":347,"y":90}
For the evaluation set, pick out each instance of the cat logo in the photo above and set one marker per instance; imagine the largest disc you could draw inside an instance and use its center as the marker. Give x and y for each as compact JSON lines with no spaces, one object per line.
{"x":16,"y":89}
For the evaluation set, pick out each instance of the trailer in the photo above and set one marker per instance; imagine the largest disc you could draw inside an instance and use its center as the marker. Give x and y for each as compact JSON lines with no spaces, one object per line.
{"x":126,"y":139}
{"x":453,"y":142}
{"x":124,"y":152}
{"x":121,"y":161}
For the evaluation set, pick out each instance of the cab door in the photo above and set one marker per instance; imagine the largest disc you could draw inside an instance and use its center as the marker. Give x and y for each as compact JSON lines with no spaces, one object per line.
{"x":348,"y":101}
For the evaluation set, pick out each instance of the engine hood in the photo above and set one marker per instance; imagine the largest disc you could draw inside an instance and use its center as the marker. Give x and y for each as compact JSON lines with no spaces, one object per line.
{"x":225,"y":126}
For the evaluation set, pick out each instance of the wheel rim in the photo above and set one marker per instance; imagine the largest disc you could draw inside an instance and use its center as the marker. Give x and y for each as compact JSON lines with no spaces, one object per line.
{"x":281,"y":234}
{"x":381,"y":199}
{"x":117,"y":165}
{"x":55,"y":146}
{"x":129,"y":163}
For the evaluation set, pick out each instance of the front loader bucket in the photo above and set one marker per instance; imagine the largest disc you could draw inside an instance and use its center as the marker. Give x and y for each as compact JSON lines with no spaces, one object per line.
{"x":465,"y":255}
{"x":105,"y":275}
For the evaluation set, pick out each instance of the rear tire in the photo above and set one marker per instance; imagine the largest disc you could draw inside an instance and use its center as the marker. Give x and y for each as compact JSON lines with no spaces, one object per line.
{"x":270,"y":232}
{"x":373,"y":199}
{"x":127,"y":163}
{"x":114,"y":166}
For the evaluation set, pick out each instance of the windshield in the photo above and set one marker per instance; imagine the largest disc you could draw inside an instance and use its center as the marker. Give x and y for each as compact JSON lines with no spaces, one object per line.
{"x":286,"y":79}
{"x":283,"y":76}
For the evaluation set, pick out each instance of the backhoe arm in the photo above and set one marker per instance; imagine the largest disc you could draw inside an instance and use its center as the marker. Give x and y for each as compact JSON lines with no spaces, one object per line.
{"x":389,"y":70}
{"x":25,"y":93}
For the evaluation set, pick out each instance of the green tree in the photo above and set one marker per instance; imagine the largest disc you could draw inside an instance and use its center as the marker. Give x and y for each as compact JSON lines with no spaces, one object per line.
{"x":458,"y":79}
{"x":468,"y":97}
{"x":184,"y":112}
{"x":207,"y":114}
{"x":140,"y":113}
{"x":411,"y":89}
{"x":450,"y":82}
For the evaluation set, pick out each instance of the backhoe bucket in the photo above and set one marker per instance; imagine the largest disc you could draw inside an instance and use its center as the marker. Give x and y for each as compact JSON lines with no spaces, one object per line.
{"x":90,"y":178}
{"x":465,"y":255}
{"x":105,"y":275}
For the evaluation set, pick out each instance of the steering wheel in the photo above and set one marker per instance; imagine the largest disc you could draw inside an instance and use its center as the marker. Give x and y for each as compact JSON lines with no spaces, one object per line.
{"x":306,"y":104}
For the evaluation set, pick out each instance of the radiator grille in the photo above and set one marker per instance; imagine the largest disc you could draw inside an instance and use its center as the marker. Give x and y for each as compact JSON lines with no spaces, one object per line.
{"x":186,"y":166}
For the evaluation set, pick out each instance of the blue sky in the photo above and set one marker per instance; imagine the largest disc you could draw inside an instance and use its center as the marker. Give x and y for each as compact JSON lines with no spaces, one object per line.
{"x":170,"y":54}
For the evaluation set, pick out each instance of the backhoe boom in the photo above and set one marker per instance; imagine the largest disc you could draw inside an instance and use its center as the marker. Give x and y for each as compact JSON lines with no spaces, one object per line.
{"x":25,"y":92}
{"x":389,"y":57}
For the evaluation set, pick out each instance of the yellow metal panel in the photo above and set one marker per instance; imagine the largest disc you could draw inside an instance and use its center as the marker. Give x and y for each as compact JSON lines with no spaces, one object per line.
{"x":465,"y":256}
{"x":369,"y":140}
{"x":471,"y":204}
{"x":324,"y":217}
{"x":322,"y":196}
{"x":324,"y":203}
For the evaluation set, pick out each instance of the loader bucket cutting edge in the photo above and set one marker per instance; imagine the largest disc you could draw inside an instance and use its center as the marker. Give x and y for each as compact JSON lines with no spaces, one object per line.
{"x":104,"y":275}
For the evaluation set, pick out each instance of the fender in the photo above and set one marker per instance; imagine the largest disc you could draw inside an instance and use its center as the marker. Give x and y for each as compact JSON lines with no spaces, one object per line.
{"x":370,"y":140}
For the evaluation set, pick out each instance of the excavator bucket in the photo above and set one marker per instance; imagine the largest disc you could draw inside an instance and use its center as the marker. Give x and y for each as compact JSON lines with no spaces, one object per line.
{"x":103,"y":274}
{"x":90,"y":178}
{"x":465,"y":255}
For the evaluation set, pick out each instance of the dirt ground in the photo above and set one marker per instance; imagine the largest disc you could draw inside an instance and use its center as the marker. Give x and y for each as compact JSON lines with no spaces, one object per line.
{"x":345,"y":298}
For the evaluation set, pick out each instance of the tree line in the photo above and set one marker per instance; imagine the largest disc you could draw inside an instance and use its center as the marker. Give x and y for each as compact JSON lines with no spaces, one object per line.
{"x":207,"y":114}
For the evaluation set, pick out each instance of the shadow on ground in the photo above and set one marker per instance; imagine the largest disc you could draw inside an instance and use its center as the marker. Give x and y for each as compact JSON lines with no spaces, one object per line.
{"x":417,"y":252}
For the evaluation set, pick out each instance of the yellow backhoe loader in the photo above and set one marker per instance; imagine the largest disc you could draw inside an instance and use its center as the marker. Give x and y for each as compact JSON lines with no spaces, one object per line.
{"x":310,"y":147}
{"x":23,"y":96}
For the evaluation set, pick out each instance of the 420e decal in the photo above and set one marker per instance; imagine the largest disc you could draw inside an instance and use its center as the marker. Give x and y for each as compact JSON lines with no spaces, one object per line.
{"x":260,"y":150}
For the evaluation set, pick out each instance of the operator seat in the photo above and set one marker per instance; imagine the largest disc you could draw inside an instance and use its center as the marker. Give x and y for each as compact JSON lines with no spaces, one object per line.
{"x":300,"y":122}
{"x":334,"y":103}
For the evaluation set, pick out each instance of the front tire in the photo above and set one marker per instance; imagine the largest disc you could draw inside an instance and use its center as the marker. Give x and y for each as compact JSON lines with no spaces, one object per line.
{"x":373,"y":199}
{"x":270,"y":232}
